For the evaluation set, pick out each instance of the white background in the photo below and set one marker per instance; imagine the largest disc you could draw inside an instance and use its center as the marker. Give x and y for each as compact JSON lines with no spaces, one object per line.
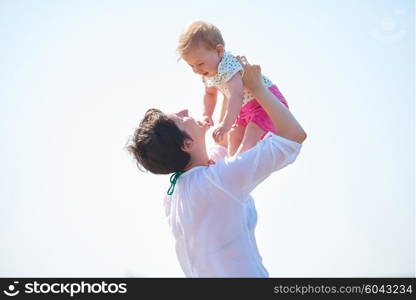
{"x":77,"y":76}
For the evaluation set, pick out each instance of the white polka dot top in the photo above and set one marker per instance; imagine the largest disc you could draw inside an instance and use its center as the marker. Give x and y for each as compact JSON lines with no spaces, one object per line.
{"x":227,"y":68}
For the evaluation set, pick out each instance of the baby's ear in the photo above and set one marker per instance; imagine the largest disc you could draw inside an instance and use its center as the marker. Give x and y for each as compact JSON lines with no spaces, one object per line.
{"x":187,"y":145}
{"x":220,"y":49}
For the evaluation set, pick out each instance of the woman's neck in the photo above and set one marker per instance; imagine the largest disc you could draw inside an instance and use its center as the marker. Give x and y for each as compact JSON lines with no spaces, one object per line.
{"x":199,"y":157}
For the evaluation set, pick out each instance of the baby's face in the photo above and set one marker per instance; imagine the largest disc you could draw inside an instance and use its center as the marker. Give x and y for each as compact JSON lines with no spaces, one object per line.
{"x":203,"y":61}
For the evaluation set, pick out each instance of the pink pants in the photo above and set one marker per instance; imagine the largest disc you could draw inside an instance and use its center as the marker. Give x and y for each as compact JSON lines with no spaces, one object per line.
{"x":254,"y":112}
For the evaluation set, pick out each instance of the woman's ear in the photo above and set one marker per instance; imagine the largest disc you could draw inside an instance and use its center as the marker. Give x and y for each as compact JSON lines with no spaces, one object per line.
{"x":187,"y":146}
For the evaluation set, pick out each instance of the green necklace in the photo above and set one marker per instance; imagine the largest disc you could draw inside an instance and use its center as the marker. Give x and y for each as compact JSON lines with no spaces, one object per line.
{"x":173,"y":180}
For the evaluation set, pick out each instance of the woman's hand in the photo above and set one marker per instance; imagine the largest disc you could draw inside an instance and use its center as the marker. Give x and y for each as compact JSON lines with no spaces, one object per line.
{"x":282,"y":118}
{"x":252,"y":75}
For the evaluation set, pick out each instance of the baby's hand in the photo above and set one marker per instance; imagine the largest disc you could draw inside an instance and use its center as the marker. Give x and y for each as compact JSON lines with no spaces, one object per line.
{"x":220,"y":132}
{"x":208,"y":120}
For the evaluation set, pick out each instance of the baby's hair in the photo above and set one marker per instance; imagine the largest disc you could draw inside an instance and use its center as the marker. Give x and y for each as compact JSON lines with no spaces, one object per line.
{"x":199,"y":33}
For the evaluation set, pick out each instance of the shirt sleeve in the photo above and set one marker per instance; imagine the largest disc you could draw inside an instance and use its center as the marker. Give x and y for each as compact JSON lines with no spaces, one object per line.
{"x":217,"y":152}
{"x":228,"y":67}
{"x":239,"y":175}
{"x":204,"y":81}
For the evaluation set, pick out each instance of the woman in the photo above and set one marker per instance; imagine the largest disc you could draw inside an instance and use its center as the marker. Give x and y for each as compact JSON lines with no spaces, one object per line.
{"x":209,"y":207}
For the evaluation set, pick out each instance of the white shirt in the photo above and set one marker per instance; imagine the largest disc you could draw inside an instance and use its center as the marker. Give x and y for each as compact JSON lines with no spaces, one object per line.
{"x":212,"y":215}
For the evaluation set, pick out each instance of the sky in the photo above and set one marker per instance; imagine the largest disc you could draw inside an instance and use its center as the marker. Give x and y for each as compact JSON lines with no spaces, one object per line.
{"x":77,"y":76}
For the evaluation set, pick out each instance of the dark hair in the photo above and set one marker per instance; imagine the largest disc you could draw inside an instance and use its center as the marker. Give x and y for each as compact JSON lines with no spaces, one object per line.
{"x":156,"y":144}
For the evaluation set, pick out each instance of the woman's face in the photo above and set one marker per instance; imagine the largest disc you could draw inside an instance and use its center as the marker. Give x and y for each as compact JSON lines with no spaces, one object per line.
{"x":195,"y":129}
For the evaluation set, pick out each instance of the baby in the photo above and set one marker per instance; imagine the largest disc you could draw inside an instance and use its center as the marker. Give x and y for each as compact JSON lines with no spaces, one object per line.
{"x":201,"y":45}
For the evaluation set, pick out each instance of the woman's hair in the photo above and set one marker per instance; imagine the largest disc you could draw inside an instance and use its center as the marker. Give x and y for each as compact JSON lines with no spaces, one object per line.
{"x":156,"y":144}
{"x":199,"y":33}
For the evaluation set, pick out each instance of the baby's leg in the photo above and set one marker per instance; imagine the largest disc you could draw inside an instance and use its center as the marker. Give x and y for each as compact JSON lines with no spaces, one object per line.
{"x":235,"y":136}
{"x":252,"y":135}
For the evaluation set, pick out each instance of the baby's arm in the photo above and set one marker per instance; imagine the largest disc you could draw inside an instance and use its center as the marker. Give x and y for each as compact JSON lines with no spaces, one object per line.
{"x":210,"y":100}
{"x":235,"y":101}
{"x":223,"y":109}
{"x":224,"y":142}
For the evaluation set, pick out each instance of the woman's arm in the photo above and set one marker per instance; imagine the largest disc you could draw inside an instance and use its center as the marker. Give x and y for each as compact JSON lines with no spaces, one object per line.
{"x":239,"y":175}
{"x":282,"y":118}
